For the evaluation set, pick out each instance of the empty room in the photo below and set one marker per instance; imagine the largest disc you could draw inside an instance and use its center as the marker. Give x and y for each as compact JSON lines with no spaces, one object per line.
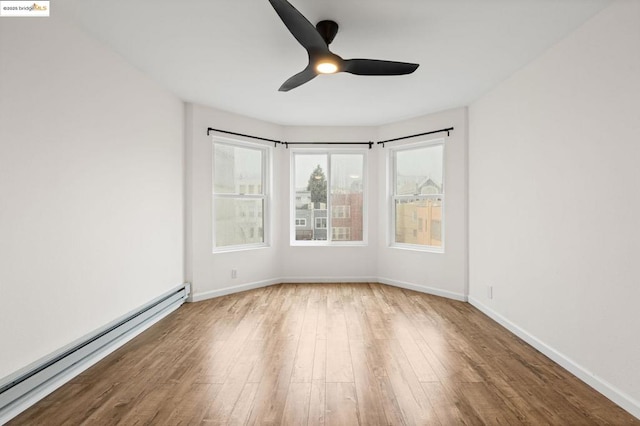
{"x":320,"y":212}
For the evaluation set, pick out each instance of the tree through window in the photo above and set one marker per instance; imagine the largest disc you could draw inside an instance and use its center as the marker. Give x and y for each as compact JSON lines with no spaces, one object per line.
{"x":328,"y":196}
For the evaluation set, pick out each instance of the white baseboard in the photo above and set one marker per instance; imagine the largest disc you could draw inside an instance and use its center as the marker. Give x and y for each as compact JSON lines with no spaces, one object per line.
{"x":423,"y":289}
{"x":198,"y":297}
{"x":614,"y":394}
{"x":290,"y":280}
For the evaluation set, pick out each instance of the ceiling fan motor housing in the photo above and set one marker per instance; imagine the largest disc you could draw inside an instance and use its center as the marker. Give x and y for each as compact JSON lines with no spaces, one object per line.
{"x":328,"y":30}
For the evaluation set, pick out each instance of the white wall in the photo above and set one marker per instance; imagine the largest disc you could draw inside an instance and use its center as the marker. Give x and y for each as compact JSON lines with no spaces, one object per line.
{"x":90,"y":188}
{"x":554,"y":202}
{"x":210,"y":273}
{"x":347,"y":264}
{"x":439,"y":273}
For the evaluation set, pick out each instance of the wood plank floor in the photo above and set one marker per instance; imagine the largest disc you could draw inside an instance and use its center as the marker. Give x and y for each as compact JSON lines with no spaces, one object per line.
{"x":342,"y":354}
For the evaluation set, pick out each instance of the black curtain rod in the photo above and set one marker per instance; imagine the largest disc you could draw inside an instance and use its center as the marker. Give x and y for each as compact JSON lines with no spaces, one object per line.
{"x":448,"y":129}
{"x":286,"y":144}
{"x":209,"y":130}
{"x":329,"y":143}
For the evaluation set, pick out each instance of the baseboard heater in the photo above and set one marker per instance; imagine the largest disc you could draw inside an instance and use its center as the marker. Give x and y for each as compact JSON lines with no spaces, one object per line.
{"x":27,"y":386}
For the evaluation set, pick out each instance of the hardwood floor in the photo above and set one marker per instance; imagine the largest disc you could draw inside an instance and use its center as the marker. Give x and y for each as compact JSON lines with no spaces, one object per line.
{"x":342,"y":354}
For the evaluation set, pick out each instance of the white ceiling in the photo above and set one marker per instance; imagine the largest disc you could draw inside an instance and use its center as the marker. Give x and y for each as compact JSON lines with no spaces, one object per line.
{"x":235,"y":54}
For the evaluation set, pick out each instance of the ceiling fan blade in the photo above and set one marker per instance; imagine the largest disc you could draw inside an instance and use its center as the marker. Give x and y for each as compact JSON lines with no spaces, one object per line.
{"x":300,"y":27}
{"x":299,"y":79}
{"x":377,"y":67}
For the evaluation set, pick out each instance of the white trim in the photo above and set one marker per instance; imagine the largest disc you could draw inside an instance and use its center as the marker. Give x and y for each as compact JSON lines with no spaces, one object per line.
{"x":424,"y":289}
{"x":293,"y":280}
{"x":240,"y":247}
{"x":325,"y":243}
{"x":211,"y":294}
{"x":605,"y":388}
{"x":416,"y":247}
{"x":197,"y":297}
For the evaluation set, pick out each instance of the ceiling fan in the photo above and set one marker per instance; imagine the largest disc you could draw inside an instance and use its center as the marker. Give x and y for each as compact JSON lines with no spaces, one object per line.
{"x":316,"y":41}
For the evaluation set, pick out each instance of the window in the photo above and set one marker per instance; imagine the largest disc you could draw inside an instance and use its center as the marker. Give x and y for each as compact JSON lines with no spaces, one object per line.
{"x":436,"y":230}
{"x":341,"y":234}
{"x":328,"y":190}
{"x":321,"y":222}
{"x":341,"y":212}
{"x":417,"y":196}
{"x":301,"y":222}
{"x":239,"y":198}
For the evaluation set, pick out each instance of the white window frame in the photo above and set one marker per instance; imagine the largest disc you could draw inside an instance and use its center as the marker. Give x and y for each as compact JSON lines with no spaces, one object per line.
{"x":320,"y":219}
{"x":365,"y":196}
{"x":393,"y":197}
{"x":302,"y":220}
{"x":265,"y":196}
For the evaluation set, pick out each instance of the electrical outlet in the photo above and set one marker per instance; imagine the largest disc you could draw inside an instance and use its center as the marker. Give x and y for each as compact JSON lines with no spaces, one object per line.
{"x":490,"y":292}
{"x":234,"y":273}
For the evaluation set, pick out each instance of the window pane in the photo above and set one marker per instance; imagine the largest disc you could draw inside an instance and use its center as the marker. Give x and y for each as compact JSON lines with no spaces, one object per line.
{"x":419,"y":221}
{"x":238,"y":221}
{"x":311,"y":196}
{"x":237,"y":170}
{"x":419,"y":171}
{"x":347,"y":197}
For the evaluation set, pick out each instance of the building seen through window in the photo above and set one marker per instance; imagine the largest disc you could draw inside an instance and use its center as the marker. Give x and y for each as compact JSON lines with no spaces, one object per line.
{"x":239,"y":195}
{"x":418,"y":195}
{"x":329,"y":198}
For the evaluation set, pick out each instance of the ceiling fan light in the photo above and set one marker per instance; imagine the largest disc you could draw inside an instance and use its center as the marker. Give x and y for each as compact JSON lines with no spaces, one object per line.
{"x":326,"y":67}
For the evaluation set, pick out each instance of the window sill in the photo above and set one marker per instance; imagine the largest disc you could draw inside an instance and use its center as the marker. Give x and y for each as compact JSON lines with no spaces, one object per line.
{"x":231,"y":249}
{"x":414,"y":247}
{"x":328,"y":244}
